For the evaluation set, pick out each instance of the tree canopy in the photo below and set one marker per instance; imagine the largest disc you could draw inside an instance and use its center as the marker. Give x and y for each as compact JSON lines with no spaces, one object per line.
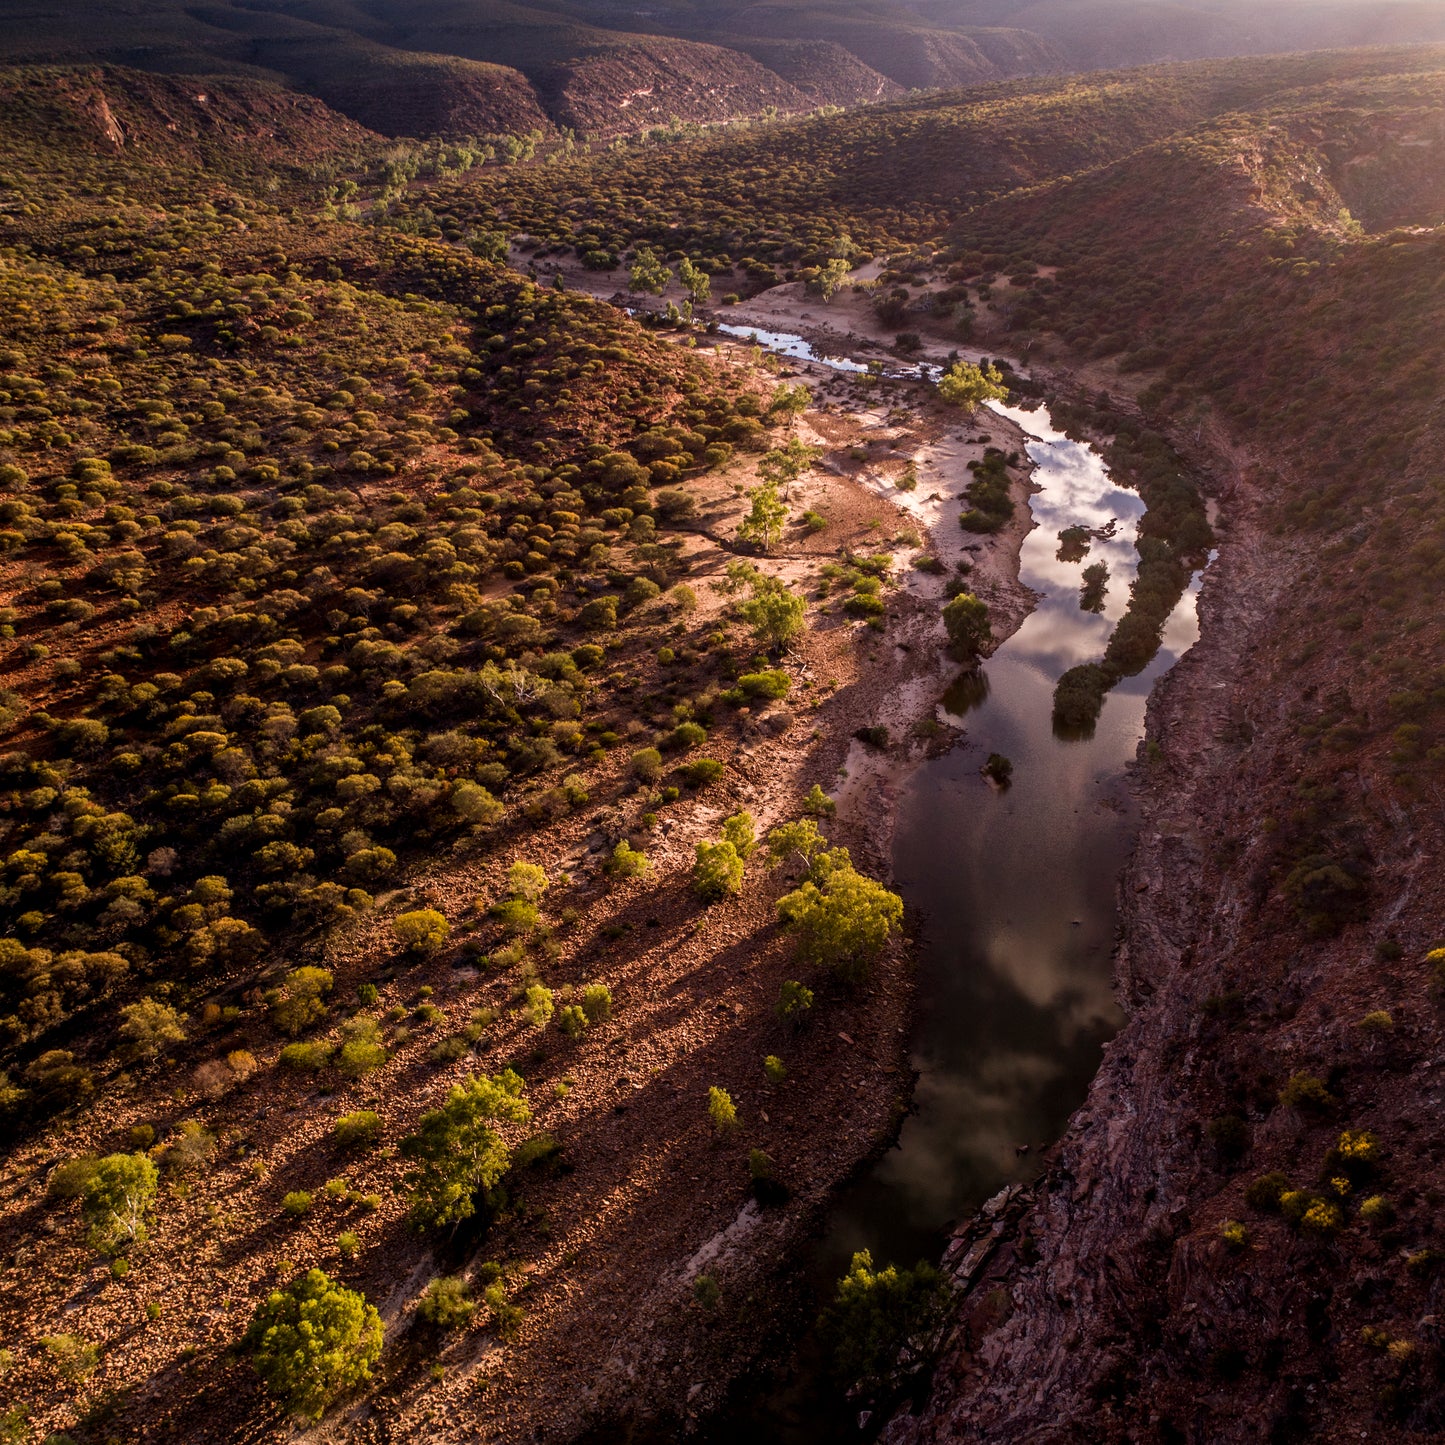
{"x":312,"y":1340}
{"x":457,"y":1151}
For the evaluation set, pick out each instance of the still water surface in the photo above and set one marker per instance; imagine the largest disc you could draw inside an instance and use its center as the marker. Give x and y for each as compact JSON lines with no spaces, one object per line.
{"x":1015,"y":889}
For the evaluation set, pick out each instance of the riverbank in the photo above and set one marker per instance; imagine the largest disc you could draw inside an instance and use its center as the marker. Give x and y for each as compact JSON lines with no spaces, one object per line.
{"x":653,"y":1201}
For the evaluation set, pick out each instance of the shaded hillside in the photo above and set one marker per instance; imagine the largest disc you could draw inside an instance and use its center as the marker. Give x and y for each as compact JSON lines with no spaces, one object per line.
{"x":223,"y":124}
{"x":366,"y":703}
{"x":432,"y":67}
{"x":1239,"y":1238}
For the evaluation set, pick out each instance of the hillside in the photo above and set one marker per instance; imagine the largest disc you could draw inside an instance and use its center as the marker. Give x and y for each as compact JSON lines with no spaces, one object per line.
{"x":422,"y":679}
{"x":433,"y":68}
{"x":378,"y":658}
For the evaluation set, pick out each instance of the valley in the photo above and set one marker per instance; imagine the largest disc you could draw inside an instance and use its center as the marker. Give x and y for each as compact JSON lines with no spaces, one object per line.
{"x":599,"y":717}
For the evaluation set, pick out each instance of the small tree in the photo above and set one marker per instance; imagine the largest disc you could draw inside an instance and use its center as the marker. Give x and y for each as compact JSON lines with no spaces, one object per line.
{"x":884,"y":1326}
{"x":718,"y":871}
{"x":843,"y":923}
{"x":647,"y":275}
{"x":458,"y":1152}
{"x":312,"y":1340}
{"x":831,"y":276}
{"x":697,"y":282}
{"x":299,"y":1002}
{"x":784,"y":465}
{"x":117,"y":1200}
{"x":763,"y":525}
{"x":721,"y":1110}
{"x":149,"y":1027}
{"x":966,"y":619}
{"x":421,"y":931}
{"x":775,"y":614}
{"x":794,"y":1001}
{"x":527,"y":881}
{"x":800,"y":840}
{"x":968,"y":386}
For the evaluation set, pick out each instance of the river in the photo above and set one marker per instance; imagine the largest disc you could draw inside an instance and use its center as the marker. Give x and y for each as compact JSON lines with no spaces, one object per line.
{"x":1015,"y":890}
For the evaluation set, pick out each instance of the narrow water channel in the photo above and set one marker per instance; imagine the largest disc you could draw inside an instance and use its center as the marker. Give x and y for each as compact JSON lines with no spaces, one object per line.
{"x":1015,"y":886}
{"x":1015,"y":891}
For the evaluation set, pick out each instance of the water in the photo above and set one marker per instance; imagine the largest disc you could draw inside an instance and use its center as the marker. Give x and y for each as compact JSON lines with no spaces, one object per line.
{"x":788,"y":343}
{"x":1015,"y":889}
{"x":1015,"y":886}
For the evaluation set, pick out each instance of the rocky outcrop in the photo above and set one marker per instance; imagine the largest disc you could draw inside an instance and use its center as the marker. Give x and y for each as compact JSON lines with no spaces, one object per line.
{"x":626,"y":88}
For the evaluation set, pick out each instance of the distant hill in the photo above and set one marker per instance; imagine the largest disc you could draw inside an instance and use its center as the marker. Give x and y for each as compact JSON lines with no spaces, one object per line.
{"x":610,"y":67}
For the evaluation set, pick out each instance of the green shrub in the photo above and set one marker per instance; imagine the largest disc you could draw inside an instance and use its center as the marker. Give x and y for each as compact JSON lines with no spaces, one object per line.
{"x":966,"y":620}
{"x":597,"y":1003}
{"x":739,"y":831}
{"x":1234,"y":1234}
{"x":447,"y":1303}
{"x":818,"y":804}
{"x":1306,"y":1092}
{"x":421,"y":931}
{"x":774,"y":1070}
{"x":298,"y":1003}
{"x":717,"y":872}
{"x":721,"y":1111}
{"x":686,"y":735}
{"x":1266,"y":1192}
{"x":457,"y":1151}
{"x":361,"y":1050}
{"x":73,"y":1355}
{"x":149,"y":1027}
{"x":313,"y":1340}
{"x":572,"y":1020}
{"x":625,"y":861}
{"x":845,"y":922}
{"x":884,"y":1326}
{"x":539,"y":1005}
{"x":647,"y":765}
{"x":71,"y":1179}
{"x":306,"y":1057}
{"x":794,"y":1000}
{"x":701,"y":772}
{"x":516,"y":917}
{"x":357,"y":1130}
{"x":296,"y":1203}
{"x":773,"y":684}
{"x":116,"y":1201}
